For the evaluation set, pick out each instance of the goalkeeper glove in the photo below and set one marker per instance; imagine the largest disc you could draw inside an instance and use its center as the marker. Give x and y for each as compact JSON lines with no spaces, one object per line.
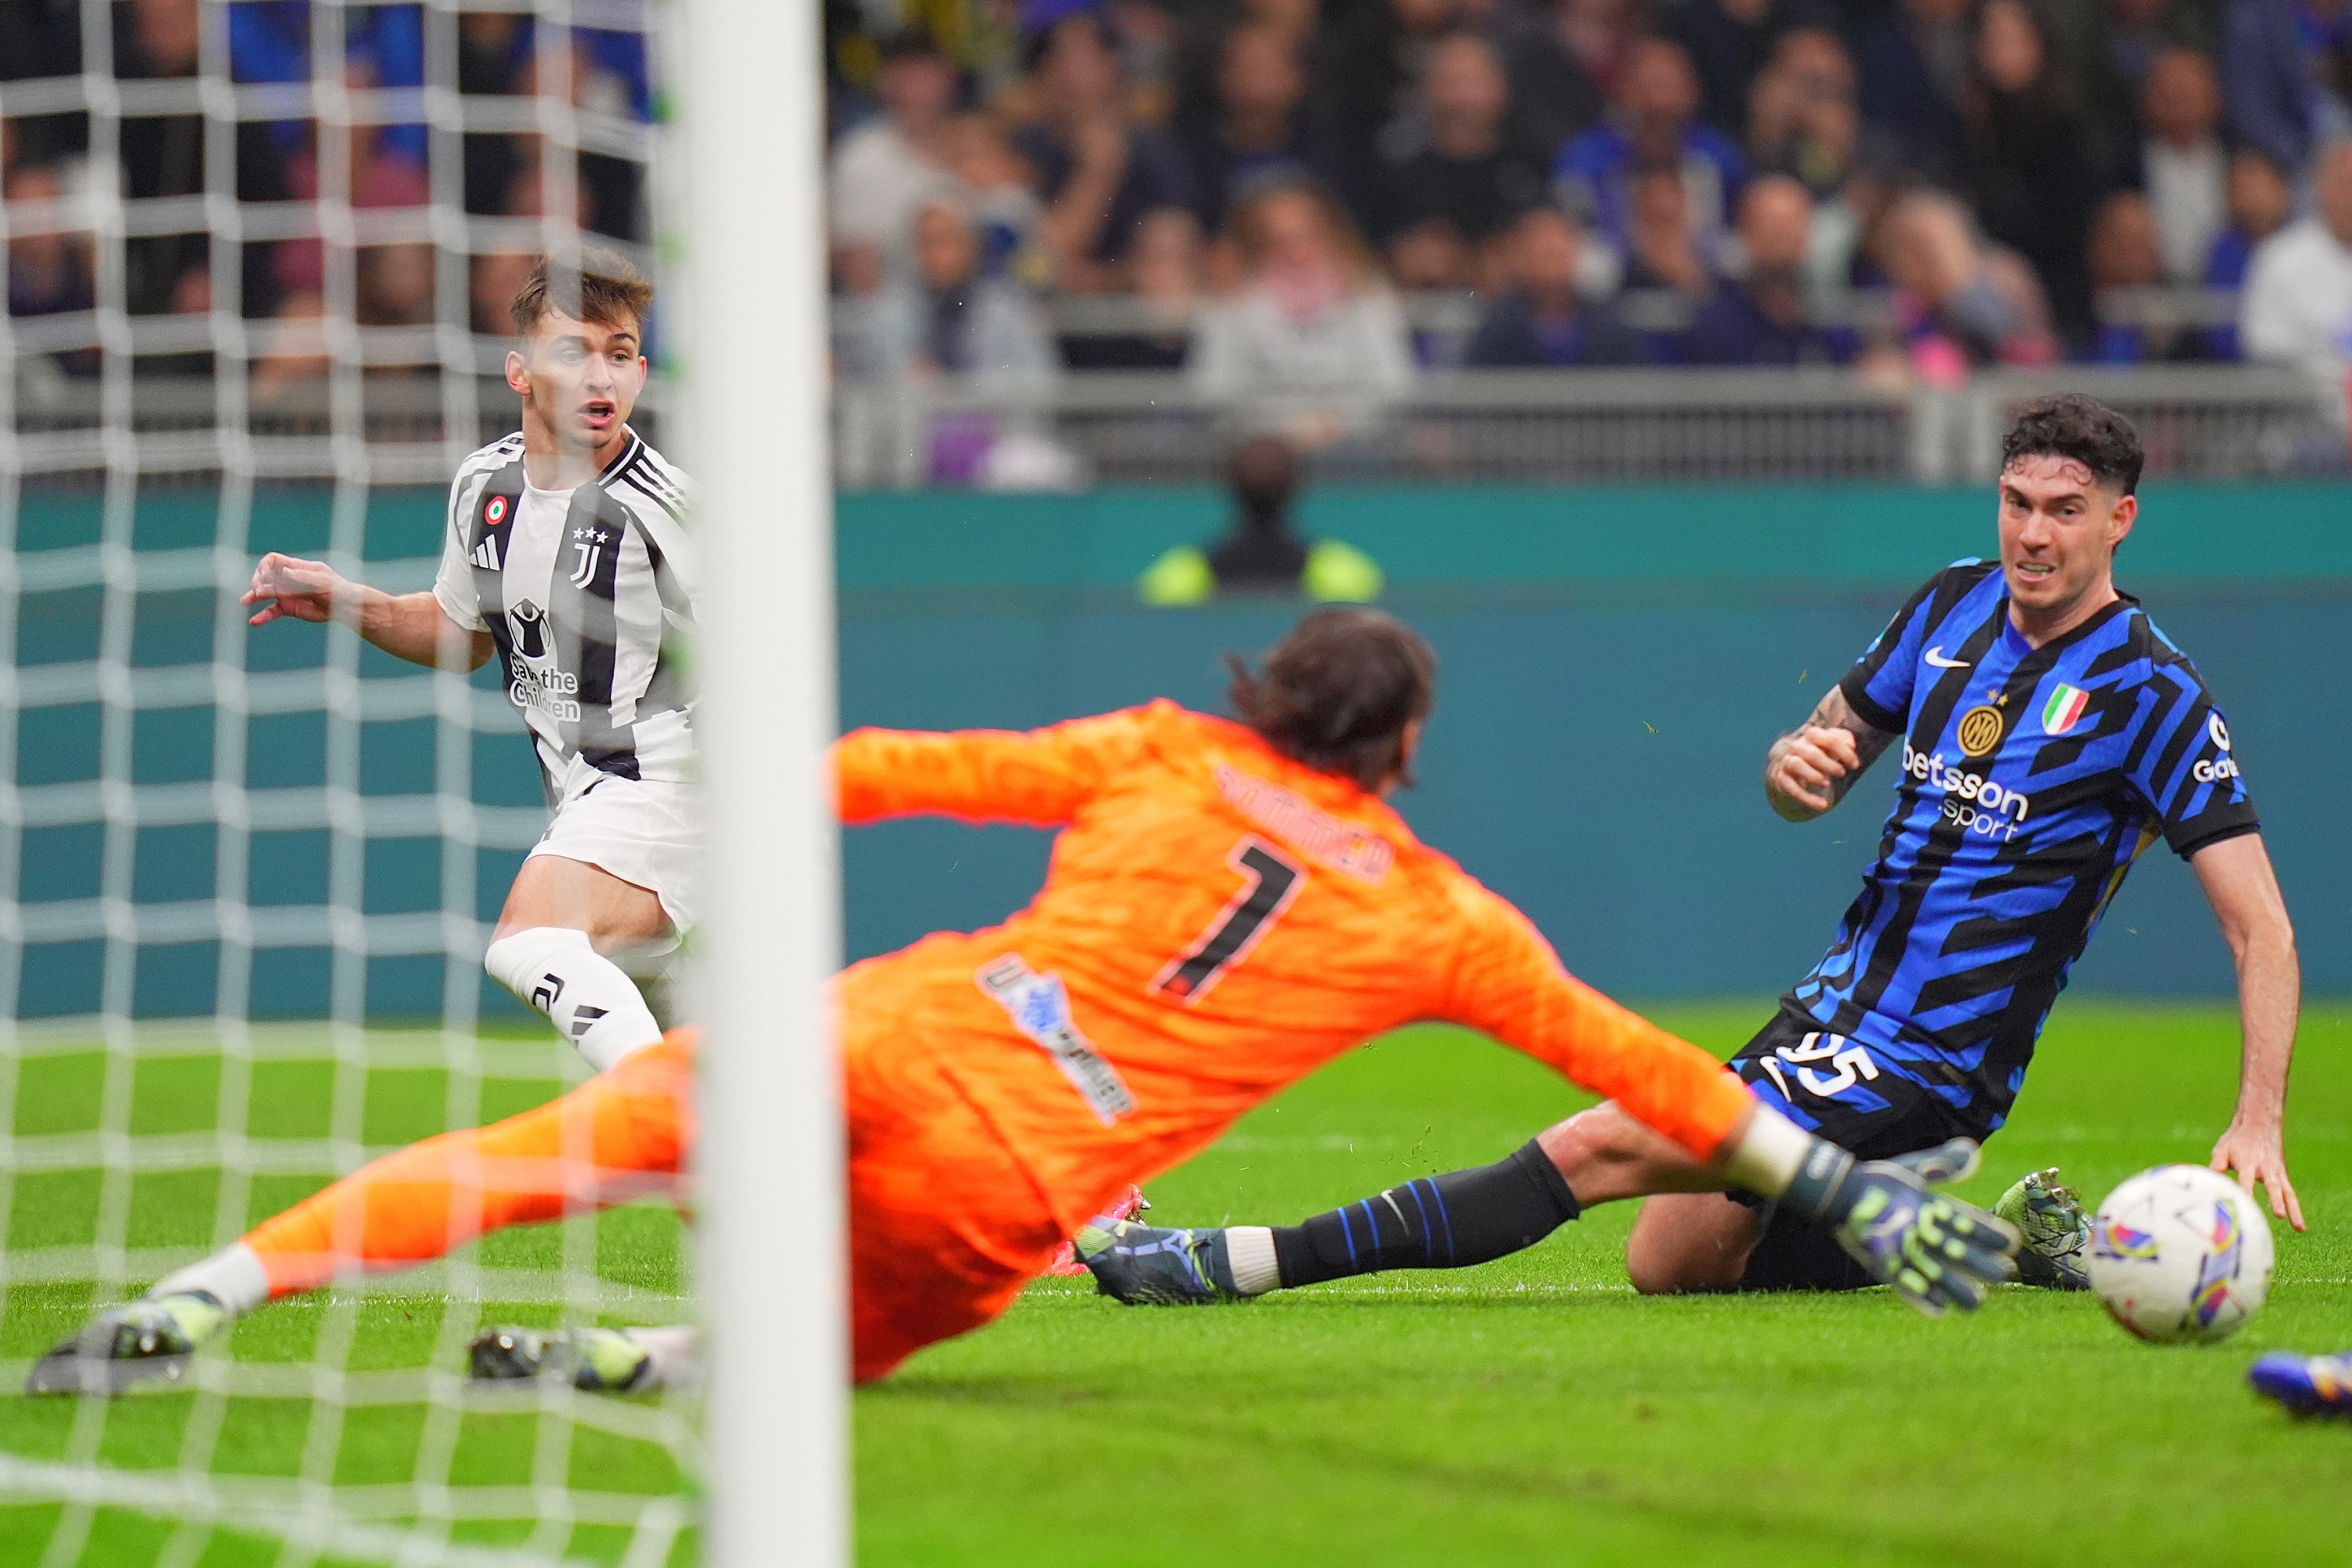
{"x":1931,"y":1249}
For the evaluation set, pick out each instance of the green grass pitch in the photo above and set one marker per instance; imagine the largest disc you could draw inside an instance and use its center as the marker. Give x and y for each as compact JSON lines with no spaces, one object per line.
{"x":1534,"y":1410}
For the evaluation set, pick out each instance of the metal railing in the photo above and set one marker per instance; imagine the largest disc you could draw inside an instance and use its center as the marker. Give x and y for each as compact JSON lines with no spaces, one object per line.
{"x":1533,"y":427}
{"x":1576,"y":425}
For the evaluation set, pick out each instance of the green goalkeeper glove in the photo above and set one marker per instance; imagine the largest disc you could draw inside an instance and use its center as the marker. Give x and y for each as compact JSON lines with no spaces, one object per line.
{"x":1930,"y":1248}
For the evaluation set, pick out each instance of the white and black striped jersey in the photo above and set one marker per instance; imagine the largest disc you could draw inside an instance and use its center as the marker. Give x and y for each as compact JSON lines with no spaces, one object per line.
{"x":587,"y":592}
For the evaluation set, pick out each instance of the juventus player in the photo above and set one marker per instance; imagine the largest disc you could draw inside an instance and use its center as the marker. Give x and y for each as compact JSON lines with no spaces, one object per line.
{"x":565,"y":555}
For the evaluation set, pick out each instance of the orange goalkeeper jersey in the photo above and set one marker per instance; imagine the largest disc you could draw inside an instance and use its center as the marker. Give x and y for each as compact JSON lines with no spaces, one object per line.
{"x":1218,"y":920}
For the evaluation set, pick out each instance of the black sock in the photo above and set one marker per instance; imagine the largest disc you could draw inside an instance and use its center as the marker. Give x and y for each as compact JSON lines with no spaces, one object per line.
{"x":1433,"y":1222}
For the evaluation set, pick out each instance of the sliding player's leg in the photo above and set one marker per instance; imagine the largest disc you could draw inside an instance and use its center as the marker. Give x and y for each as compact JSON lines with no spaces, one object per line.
{"x":1691,"y":1237}
{"x":613,"y":876}
{"x":618,"y":1136}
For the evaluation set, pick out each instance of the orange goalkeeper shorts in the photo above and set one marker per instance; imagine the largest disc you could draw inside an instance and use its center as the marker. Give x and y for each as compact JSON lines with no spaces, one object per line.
{"x":945,"y":1227}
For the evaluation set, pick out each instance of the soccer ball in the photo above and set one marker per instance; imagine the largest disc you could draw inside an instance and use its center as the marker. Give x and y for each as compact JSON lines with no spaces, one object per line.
{"x":2180,"y":1254}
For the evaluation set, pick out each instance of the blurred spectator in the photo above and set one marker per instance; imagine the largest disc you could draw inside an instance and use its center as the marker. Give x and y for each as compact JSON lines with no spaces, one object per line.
{"x":1651,"y":125}
{"x":1446,"y":161}
{"x":491,"y":283}
{"x":1545,"y":321}
{"x":997,"y":185}
{"x":2284,"y":75}
{"x":2259,"y":204}
{"x":1370,"y":57}
{"x":293,"y":348}
{"x":1760,"y":317}
{"x":396,"y":285}
{"x":1553,"y":97}
{"x":2022,"y":161}
{"x":1163,"y":278}
{"x":948,"y":318}
{"x":161,"y":155}
{"x":1913,"y":66}
{"x":40,"y":38}
{"x":1428,"y":255}
{"x":888,"y":169}
{"x":2297,"y":305}
{"x":2140,"y":326}
{"x":493,"y":48}
{"x":1256,"y":128}
{"x":1958,"y":301}
{"x":2182,"y":165}
{"x":1263,"y":554}
{"x":1097,"y":174}
{"x":1599,"y":37}
{"x":2105,"y":50}
{"x":1802,"y":123}
{"x":48,"y":274}
{"x":1801,"y":120}
{"x":1729,"y":42}
{"x":1661,"y":253}
{"x":1313,"y":336}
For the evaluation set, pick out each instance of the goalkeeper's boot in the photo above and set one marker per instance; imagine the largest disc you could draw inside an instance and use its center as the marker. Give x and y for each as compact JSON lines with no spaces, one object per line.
{"x":1150,"y":1266}
{"x":2306,"y":1385}
{"x":152,"y":1337}
{"x":2056,"y":1228}
{"x":1066,"y":1261}
{"x":599,"y":1361}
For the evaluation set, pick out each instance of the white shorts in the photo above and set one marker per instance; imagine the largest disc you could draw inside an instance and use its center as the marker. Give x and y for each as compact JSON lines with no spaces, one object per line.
{"x":645,"y":833}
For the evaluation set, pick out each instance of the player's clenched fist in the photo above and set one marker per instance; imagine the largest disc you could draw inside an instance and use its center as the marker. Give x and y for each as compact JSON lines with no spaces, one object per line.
{"x":284,"y":586}
{"x":1803,"y":771}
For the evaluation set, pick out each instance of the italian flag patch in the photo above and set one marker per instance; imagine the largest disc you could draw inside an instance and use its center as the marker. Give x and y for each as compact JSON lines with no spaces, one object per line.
{"x":2065,"y":707}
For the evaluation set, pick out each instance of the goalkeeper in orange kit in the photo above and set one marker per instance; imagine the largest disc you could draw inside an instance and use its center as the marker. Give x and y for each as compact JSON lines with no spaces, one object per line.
{"x":1230,"y":905}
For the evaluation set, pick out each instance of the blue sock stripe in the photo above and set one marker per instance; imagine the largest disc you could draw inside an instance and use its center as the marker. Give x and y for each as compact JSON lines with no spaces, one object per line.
{"x":1428,"y":1253}
{"x":1347,"y":1236}
{"x":1372,"y":1223}
{"x":1443,"y":1219}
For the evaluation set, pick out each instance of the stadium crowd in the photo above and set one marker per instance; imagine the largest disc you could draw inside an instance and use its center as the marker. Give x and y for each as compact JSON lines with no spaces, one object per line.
{"x":1339,"y":193}
{"x":1920,"y":186}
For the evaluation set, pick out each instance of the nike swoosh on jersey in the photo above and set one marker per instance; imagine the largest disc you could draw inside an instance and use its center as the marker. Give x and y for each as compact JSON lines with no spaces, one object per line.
{"x":1935,"y":656}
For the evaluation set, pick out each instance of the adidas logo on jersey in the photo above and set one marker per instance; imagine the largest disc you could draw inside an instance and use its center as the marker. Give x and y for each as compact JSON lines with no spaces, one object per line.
{"x":485,"y":554}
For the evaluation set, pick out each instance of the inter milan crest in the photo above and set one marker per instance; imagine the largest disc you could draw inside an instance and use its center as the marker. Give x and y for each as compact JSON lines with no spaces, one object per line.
{"x":1980,"y":730}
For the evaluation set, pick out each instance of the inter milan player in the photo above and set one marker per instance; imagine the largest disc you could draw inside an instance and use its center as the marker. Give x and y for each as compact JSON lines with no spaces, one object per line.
{"x":2049,"y":733}
{"x":565,"y":556}
{"x":1229,"y":906}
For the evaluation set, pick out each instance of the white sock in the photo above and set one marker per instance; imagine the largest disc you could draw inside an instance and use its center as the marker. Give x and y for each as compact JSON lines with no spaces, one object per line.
{"x":585,"y":993}
{"x":1249,"y":1249}
{"x":233,"y":1277}
{"x":1769,"y":1154}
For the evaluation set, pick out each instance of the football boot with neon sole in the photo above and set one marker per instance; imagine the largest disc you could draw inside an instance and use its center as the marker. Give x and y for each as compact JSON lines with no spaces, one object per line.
{"x":2305,"y":1384}
{"x":2056,"y":1228}
{"x":600,"y":1361}
{"x":1150,"y":1265}
{"x":1065,"y":1262}
{"x":151,"y":1338}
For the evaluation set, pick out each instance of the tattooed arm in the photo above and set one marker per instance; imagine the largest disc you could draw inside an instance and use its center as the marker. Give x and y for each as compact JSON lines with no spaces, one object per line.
{"x":1809,"y":769}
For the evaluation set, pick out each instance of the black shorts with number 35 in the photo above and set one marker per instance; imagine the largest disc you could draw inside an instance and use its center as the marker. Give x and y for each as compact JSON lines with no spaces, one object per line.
{"x":1837,"y":1088}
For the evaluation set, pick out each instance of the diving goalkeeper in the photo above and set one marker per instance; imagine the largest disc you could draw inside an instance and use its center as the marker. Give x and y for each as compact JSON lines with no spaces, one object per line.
{"x":1229,"y":906}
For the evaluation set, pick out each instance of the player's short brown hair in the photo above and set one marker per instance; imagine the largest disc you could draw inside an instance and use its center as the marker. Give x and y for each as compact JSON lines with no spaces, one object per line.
{"x":602,"y":289}
{"x":2081,"y":430}
{"x":1337,"y":692}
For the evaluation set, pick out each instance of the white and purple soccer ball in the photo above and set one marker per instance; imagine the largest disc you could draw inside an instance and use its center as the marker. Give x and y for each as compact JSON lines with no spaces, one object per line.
{"x":2180,"y":1255}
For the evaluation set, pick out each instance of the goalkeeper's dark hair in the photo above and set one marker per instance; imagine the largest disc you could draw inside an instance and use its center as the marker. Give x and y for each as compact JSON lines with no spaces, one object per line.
{"x":2081,"y":430}
{"x":602,"y":289}
{"x":1337,"y":692}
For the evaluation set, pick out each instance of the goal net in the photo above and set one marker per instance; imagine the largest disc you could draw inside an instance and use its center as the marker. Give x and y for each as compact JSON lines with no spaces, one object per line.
{"x":259,"y":261}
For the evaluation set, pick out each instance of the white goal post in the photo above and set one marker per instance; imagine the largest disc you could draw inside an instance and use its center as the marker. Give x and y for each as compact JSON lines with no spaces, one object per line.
{"x":771,"y":1253}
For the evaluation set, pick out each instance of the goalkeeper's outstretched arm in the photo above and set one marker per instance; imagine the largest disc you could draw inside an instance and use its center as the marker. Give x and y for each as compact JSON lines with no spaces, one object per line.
{"x":413,"y":626}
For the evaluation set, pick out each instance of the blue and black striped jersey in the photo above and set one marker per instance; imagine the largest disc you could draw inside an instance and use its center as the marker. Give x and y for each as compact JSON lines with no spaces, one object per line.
{"x":2030,"y":779}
